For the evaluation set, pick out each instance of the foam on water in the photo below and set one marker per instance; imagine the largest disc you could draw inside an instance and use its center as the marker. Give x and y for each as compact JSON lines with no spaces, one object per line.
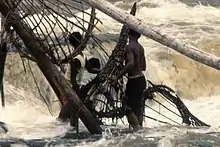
{"x":28,"y":117}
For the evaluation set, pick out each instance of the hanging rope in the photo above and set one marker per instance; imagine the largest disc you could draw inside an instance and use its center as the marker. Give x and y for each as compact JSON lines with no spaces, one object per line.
{"x":38,"y":88}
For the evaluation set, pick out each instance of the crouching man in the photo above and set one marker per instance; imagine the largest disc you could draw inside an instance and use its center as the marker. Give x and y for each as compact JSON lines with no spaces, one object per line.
{"x":74,"y":68}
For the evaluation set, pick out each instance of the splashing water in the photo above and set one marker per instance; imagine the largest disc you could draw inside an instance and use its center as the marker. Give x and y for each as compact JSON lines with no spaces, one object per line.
{"x":28,"y":118}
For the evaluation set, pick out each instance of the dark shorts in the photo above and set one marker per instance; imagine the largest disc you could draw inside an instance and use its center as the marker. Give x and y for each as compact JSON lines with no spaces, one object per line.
{"x":133,"y":92}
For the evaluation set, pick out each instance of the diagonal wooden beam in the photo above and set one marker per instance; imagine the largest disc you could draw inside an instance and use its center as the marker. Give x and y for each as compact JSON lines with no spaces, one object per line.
{"x":143,"y":28}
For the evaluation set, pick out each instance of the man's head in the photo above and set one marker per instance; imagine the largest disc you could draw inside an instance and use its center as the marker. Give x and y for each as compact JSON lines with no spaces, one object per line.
{"x":133,"y":34}
{"x":75,"y":39}
{"x":93,"y":65}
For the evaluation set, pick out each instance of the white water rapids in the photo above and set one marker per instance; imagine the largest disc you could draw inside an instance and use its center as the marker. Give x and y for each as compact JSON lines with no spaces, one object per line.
{"x":28,"y":118}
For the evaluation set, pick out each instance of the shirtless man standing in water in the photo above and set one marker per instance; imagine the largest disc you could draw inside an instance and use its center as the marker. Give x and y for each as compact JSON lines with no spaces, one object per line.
{"x":135,"y":63}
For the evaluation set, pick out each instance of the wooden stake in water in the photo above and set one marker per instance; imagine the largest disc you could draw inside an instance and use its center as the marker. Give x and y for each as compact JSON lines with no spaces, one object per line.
{"x":2,"y":61}
{"x":3,"y":54}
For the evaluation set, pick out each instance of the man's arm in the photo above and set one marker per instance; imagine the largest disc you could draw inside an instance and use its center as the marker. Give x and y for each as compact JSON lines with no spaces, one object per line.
{"x":143,"y":60}
{"x":129,"y":65}
{"x":93,"y":70}
{"x":75,"y":63}
{"x":143,"y":63}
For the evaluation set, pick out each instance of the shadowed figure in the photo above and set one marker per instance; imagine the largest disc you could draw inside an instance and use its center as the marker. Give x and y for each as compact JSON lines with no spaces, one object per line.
{"x":74,"y":66}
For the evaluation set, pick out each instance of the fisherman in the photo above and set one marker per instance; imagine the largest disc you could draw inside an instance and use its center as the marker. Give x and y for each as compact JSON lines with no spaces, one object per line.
{"x":135,"y":63}
{"x":73,"y":74}
{"x":80,"y":62}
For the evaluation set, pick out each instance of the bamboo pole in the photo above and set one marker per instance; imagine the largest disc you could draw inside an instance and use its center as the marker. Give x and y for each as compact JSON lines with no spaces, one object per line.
{"x":49,"y":70}
{"x":3,"y":54}
{"x":143,"y":28}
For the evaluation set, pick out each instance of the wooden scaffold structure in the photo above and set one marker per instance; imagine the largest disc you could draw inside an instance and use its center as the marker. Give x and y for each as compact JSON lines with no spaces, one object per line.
{"x":43,"y":38}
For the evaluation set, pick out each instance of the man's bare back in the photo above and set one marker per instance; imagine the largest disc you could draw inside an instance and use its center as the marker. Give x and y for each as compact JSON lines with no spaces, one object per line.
{"x":135,"y":51}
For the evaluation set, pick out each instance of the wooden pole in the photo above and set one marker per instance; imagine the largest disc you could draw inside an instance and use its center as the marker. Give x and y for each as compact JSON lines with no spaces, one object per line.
{"x":49,"y":70}
{"x":3,"y":54}
{"x":143,"y":28}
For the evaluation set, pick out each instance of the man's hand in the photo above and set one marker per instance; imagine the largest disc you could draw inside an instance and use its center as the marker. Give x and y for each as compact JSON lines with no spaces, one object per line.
{"x":146,"y":95}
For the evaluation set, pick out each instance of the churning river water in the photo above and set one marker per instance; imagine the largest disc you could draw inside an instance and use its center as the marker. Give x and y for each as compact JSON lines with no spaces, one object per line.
{"x":30,"y":123}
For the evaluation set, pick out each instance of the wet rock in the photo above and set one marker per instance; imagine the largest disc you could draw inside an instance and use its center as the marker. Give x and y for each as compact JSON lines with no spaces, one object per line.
{"x":3,"y":127}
